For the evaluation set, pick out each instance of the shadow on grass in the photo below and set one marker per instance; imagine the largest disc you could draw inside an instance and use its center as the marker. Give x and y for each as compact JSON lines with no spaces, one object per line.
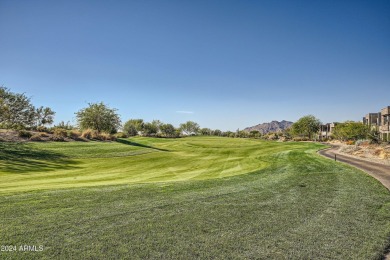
{"x":23,"y":158}
{"x":128,"y":142}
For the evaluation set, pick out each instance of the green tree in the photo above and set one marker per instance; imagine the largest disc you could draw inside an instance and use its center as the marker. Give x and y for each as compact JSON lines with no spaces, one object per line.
{"x":168,"y":130}
{"x":16,"y":110}
{"x":217,"y":132}
{"x":133,"y":126}
{"x":98,"y":116}
{"x":205,"y":131}
{"x":351,"y":131}
{"x":254,"y":134}
{"x":157,"y":124}
{"x":189,"y":128}
{"x":306,"y":126}
{"x":241,"y":134}
{"x":150,"y":129}
{"x":44,"y":116}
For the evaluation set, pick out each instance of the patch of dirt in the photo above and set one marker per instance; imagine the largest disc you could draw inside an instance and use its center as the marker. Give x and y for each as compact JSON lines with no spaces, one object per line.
{"x":13,"y":136}
{"x":379,"y":153}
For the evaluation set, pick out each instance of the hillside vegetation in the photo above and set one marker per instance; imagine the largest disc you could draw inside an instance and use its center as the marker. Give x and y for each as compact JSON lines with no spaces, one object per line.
{"x":196,"y":197}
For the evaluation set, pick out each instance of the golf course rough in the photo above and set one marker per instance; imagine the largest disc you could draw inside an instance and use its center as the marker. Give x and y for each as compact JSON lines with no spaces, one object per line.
{"x":195,"y":197}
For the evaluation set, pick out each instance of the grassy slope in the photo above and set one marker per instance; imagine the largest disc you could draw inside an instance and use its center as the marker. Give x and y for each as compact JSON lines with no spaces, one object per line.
{"x":65,"y":165}
{"x":294,"y":204}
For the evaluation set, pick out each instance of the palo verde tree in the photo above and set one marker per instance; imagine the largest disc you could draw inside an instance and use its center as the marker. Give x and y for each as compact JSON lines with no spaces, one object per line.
{"x":17,"y":111}
{"x":150,"y":129}
{"x":189,"y":128}
{"x":306,"y":126}
{"x":168,"y":130}
{"x":206,"y":131}
{"x":133,"y":126}
{"x":351,"y":131}
{"x":44,"y":116}
{"x":98,"y":116}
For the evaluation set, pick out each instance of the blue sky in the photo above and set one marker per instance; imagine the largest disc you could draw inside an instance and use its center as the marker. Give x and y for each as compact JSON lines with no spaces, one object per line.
{"x":225,"y":64}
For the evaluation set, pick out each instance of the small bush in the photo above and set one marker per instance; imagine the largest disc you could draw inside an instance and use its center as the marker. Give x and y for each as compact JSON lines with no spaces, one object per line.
{"x":36,"y":137}
{"x":42,"y":129}
{"x":43,"y":135}
{"x":60,"y":132}
{"x":74,"y":134}
{"x":94,"y":135}
{"x":121,"y":135}
{"x":377,"y":152}
{"x":362,"y":142}
{"x":105,"y":137}
{"x":300,"y":139}
{"x":57,"y":138}
{"x":25,"y":134}
{"x":89,"y":134}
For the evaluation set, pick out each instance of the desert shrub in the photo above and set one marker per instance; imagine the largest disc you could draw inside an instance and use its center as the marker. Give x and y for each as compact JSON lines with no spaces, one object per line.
{"x":377,"y":151}
{"x":120,"y":135}
{"x":362,"y":142}
{"x":300,"y":139}
{"x":60,"y":132}
{"x":73,"y":134}
{"x":23,"y":133}
{"x":273,"y":137}
{"x":89,"y":134}
{"x":57,"y":138}
{"x":350,"y":149}
{"x":103,"y":136}
{"x":95,"y":135}
{"x":36,"y":137}
{"x":106,"y":137}
{"x":42,"y":129}
{"x":63,"y":125}
{"x":42,"y":134}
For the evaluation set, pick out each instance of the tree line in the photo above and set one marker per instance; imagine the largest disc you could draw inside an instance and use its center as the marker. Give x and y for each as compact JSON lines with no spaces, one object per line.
{"x":18,"y":112}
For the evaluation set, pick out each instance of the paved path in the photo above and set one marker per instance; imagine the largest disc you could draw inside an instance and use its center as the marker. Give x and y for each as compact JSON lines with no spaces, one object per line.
{"x":379,"y":171}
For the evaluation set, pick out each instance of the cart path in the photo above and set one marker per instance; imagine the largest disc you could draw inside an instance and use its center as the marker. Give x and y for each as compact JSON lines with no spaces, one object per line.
{"x":379,"y":171}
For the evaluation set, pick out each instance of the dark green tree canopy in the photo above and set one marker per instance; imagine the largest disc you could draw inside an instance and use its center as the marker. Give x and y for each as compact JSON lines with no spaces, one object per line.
{"x":168,"y":130}
{"x":100,"y":117}
{"x":306,"y":126}
{"x":206,"y":131}
{"x":217,"y":132}
{"x":150,"y":129}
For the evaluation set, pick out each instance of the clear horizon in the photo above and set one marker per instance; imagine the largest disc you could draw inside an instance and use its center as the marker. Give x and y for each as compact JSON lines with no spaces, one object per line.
{"x":225,"y":65}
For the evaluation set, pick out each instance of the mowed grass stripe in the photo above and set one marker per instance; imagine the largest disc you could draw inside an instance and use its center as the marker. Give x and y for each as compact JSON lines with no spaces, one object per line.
{"x":156,"y":161}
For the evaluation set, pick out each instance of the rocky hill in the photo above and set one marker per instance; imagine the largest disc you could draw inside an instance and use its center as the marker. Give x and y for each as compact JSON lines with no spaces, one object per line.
{"x":274,"y":126}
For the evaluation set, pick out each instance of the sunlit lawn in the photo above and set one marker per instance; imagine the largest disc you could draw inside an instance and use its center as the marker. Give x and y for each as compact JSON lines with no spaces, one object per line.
{"x":198,"y":197}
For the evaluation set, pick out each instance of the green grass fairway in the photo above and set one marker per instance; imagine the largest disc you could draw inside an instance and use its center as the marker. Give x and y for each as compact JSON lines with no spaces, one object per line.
{"x":196,"y":197}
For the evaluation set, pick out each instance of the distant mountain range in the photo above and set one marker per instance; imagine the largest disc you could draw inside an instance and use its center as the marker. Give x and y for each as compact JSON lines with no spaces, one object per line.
{"x":274,"y":126}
